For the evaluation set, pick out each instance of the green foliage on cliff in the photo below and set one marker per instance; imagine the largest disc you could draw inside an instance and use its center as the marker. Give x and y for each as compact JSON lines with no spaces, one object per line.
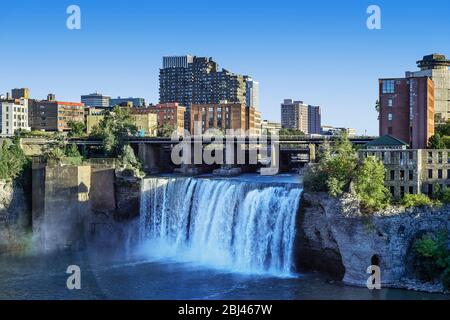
{"x":290,"y":132}
{"x":13,"y":161}
{"x":369,"y":185}
{"x":335,"y":169}
{"x":68,"y":155}
{"x":433,"y":257}
{"x":416,"y":200}
{"x":114,"y":128}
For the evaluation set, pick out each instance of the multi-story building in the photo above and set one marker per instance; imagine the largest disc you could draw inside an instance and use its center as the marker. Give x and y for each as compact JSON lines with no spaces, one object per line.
{"x":297,"y":115}
{"x":268,"y":127}
{"x":134,"y":102}
{"x":410,"y":170}
{"x":407,"y":109}
{"x":53,"y":115}
{"x":252,"y":94}
{"x":258,"y":120}
{"x":222,"y":116}
{"x":146,"y":121}
{"x":171,"y":114}
{"x":189,"y":80}
{"x":95,"y":100}
{"x":13,"y":116}
{"x":20,"y":93}
{"x":436,"y":67}
{"x":314,"y":120}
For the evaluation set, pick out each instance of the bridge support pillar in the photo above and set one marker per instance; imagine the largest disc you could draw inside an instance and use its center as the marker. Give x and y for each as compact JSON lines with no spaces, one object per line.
{"x":149,"y":156}
{"x":312,"y":153}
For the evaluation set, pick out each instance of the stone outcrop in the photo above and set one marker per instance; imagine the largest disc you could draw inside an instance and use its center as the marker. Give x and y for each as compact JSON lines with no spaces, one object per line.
{"x":14,"y":218}
{"x":331,"y":230}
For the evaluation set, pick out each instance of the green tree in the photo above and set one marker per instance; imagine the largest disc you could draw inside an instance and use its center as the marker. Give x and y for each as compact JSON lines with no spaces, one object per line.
{"x":436,"y":142}
{"x":369,"y":185}
{"x":165,"y":130}
{"x":340,"y":166}
{"x":335,"y":169}
{"x":290,"y":132}
{"x":113,"y":129}
{"x":77,"y":129}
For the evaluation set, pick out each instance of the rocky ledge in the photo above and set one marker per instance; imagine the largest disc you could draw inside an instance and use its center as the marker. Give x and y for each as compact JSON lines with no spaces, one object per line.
{"x":334,"y":236}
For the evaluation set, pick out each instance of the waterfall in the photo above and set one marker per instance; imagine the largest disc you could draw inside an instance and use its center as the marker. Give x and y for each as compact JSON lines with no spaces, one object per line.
{"x":237,"y":225}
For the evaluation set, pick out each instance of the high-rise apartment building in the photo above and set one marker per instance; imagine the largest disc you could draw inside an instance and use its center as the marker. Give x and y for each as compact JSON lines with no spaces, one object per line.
{"x":53,"y":115}
{"x":95,"y":100}
{"x":189,"y":80}
{"x":252,"y":93}
{"x":436,"y":67}
{"x":407,"y":109}
{"x":13,"y":116}
{"x":297,"y":115}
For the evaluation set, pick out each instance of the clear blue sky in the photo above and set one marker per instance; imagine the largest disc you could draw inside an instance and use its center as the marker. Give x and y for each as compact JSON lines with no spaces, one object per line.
{"x":317,"y":51}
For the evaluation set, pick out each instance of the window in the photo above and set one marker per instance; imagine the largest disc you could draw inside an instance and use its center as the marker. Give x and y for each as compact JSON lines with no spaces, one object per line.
{"x":430,"y":157}
{"x":448,"y":173}
{"x":388,"y":86}
{"x":411,"y":190}
{"x":392,"y":189}
{"x":430,"y":173}
{"x":439,"y":157}
{"x":389,"y":102}
{"x":440,"y":174}
{"x":411,"y":175}
{"x":402,"y":191}
{"x":402,"y":174}
{"x":392,"y":175}
{"x":390,"y":116}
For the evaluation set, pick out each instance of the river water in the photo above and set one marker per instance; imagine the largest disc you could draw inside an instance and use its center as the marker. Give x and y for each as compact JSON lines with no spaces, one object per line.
{"x":200,"y":238}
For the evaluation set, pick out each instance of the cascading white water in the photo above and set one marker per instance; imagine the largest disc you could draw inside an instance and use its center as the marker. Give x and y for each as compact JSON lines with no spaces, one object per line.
{"x":241,"y":226}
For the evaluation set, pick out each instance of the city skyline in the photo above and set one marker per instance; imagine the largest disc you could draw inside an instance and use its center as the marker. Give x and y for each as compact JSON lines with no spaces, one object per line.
{"x":280,"y":49}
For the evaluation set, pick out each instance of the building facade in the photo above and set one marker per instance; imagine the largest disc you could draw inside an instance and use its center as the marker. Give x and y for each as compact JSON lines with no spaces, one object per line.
{"x":53,"y":115}
{"x":413,"y":170}
{"x":252,"y":94}
{"x":189,"y":80}
{"x":13,"y":116}
{"x":222,"y":116}
{"x":407,"y":109}
{"x":20,"y":93}
{"x":171,"y":114}
{"x":134,"y":102}
{"x":146,"y":121}
{"x":95,"y":100}
{"x":436,"y":67}
{"x":269,"y":127}
{"x":297,"y":115}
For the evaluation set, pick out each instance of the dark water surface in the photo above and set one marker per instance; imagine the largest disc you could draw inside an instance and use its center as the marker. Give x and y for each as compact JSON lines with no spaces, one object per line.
{"x":106,"y":276}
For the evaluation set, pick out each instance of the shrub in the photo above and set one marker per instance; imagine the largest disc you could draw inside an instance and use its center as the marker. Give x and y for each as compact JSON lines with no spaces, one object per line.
{"x":416,"y":200}
{"x":13,"y":161}
{"x":446,"y":278}
{"x":433,"y":256}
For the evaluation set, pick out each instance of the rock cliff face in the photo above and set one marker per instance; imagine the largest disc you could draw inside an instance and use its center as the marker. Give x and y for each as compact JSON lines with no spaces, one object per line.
{"x":341,"y":240}
{"x":14,"y":218}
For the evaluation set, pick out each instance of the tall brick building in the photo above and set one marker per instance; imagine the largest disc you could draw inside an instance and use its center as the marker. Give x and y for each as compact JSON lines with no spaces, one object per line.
{"x":407,"y":109}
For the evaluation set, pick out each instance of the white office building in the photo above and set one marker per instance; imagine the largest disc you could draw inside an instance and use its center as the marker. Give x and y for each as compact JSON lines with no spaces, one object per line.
{"x":13,"y":116}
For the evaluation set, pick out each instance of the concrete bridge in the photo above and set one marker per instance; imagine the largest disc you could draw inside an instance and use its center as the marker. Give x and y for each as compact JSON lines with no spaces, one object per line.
{"x":155,"y":153}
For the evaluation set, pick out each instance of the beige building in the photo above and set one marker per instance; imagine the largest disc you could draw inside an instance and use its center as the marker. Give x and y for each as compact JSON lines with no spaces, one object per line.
{"x":410,"y":170}
{"x":146,"y":121}
{"x":268,"y":127}
{"x":13,"y":116}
